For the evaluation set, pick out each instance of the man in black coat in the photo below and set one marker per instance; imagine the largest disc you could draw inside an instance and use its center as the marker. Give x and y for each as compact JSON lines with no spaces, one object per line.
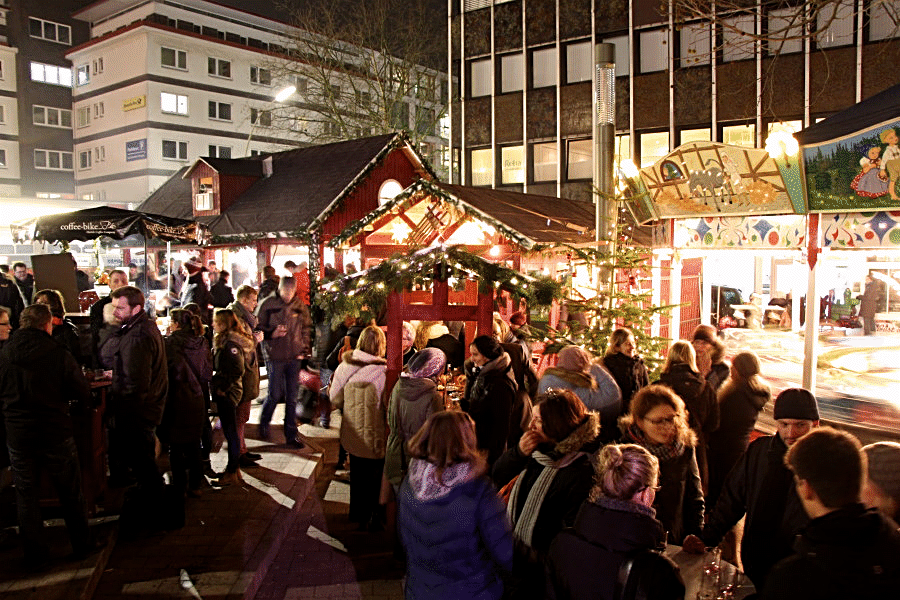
{"x":221,"y":292}
{"x":137,"y":357}
{"x":846,"y":550}
{"x":195,"y":290}
{"x":761,"y":487}
{"x":12,"y":297}
{"x":38,"y":380}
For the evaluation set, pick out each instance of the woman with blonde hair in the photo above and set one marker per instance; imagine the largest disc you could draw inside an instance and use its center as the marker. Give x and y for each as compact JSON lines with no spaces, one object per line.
{"x":624,"y":364}
{"x":357,"y":389}
{"x":615,"y":522}
{"x":657,"y":421}
{"x":740,"y":400}
{"x":452,"y":524}
{"x":681,"y":374}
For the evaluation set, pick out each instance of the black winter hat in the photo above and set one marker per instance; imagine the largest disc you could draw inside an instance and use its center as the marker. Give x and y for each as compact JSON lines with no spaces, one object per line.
{"x":796,"y":403}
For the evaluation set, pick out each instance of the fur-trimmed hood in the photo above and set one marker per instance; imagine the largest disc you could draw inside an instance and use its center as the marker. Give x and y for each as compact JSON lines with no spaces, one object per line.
{"x":585,"y":438}
{"x":358,"y":358}
{"x":246,"y":344}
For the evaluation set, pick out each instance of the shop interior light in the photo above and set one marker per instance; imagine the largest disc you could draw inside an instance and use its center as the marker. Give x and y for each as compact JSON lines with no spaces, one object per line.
{"x":781,"y":144}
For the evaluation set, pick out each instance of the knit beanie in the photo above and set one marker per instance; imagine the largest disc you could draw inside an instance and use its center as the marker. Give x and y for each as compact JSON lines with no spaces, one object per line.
{"x":884,"y":467}
{"x":573,"y":358}
{"x":796,"y":403}
{"x":706,"y":333}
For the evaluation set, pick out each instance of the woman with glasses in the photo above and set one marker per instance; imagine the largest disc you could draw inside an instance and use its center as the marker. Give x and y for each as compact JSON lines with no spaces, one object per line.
{"x":615,"y":522}
{"x":657,"y":421}
{"x":553,"y":474}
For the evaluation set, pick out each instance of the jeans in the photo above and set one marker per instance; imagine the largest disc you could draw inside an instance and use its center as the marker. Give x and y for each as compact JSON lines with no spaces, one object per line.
{"x":284,"y":385}
{"x":228,"y":418}
{"x":60,"y":461}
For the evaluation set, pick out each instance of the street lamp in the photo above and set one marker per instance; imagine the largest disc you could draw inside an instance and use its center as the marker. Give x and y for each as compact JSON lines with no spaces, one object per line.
{"x":280,"y":96}
{"x":604,"y":137}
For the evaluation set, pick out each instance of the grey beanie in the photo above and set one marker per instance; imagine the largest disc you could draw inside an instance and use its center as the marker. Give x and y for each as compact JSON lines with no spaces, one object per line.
{"x":884,"y":467}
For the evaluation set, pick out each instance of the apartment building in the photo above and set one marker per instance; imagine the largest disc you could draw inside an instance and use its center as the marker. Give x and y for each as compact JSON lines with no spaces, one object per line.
{"x":523,"y":87}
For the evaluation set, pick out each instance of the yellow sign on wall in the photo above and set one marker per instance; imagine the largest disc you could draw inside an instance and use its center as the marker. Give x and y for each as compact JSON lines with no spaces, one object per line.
{"x":134,"y":103}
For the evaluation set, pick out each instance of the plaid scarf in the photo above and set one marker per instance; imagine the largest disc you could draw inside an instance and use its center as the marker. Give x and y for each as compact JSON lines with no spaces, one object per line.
{"x":663,"y":452}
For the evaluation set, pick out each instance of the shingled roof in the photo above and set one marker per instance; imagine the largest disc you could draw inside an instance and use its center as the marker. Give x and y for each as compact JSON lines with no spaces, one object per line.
{"x":305,"y":185}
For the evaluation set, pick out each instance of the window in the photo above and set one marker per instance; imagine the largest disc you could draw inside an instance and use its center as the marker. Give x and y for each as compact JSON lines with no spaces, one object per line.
{"x":511,"y":73}
{"x":654,"y":50}
{"x":51,"y":74}
{"x":653,"y":147}
{"x":579,"y":159}
{"x":53,"y":160}
{"x":48,"y":30}
{"x":544,"y":160}
{"x":99,"y":154}
{"x":543,"y":67}
{"x":883,"y":21}
{"x":695,"y":45}
{"x":1,"y":64}
{"x":2,"y":158}
{"x":579,"y":62}
{"x":84,"y":116}
{"x":302,"y":85}
{"x":784,"y":31}
{"x":482,"y":167}
{"x":51,"y":117}
{"x":260,"y":117}
{"x":174,"y":150}
{"x":173,"y":59}
{"x":84,"y":159}
{"x":173,"y":103}
{"x":480,"y":77}
{"x":335,"y":91}
{"x":696,"y":135}
{"x":739,"y":135}
{"x":219,"y":151}
{"x":622,"y":54}
{"x":737,"y":40}
{"x":388,"y":190}
{"x":218,"y":67}
{"x":835,"y":24}
{"x":219,"y":110}
{"x":97,"y":65}
{"x":512,"y":165}
{"x":622,"y":150}
{"x":790,"y":127}
{"x":82,"y":75}
{"x":99,"y":110}
{"x":261,"y":76}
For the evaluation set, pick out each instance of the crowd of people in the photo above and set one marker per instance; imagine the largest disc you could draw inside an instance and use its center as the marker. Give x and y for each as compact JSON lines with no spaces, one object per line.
{"x":563,"y":484}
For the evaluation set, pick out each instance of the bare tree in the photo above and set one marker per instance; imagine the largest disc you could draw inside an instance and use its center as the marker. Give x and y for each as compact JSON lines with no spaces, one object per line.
{"x":362,"y":68}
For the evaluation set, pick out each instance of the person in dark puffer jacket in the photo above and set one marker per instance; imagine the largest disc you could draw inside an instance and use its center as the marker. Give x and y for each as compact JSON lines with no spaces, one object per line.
{"x":451,"y":523}
{"x":616,"y":522}
{"x":230,"y":345}
{"x":490,"y":394}
{"x":624,"y":364}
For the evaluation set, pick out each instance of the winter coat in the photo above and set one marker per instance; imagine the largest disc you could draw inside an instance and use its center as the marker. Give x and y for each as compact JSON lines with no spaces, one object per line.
{"x":568,"y":489}
{"x":522,"y":410}
{"x":195,"y":290}
{"x":137,"y":357}
{"x":852,"y":552}
{"x":457,"y":538}
{"x":702,"y":407}
{"x":15,"y":296}
{"x":679,"y":502}
{"x":451,"y":347}
{"x":97,"y":326}
{"x":356,"y":389}
{"x":190,"y":370}
{"x":604,"y":397}
{"x":294,"y":315}
{"x":38,"y":380}
{"x":267,"y":288}
{"x":66,"y":334}
{"x":630,"y":374}
{"x":584,"y":561}
{"x":489,"y":399}
{"x":413,"y":400}
{"x":229,"y":367}
{"x":718,"y":374}
{"x":221,"y":294}
{"x":764,"y":544}
{"x":738,"y":408}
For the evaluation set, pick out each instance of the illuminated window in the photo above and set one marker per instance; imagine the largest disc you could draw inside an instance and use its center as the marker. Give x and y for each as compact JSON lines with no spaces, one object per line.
{"x":480,"y":77}
{"x":623,"y":148}
{"x":653,"y":147}
{"x":579,"y":159}
{"x":388,"y":191}
{"x":543,"y":67}
{"x":545,"y":161}
{"x":173,"y":103}
{"x":786,"y":126}
{"x":512,"y":161}
{"x":482,"y":162}
{"x":739,"y":135}
{"x":511,"y":73}
{"x":695,"y":135}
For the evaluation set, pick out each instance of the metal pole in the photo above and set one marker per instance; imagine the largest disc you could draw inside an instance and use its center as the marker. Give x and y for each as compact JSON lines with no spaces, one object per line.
{"x":604,"y":150}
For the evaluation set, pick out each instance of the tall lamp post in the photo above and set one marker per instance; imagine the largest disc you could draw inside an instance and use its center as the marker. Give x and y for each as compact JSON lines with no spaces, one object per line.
{"x":280,"y":96}
{"x":604,"y":149}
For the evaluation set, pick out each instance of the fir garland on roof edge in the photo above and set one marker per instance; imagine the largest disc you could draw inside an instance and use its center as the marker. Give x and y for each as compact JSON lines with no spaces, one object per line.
{"x":364,"y":294}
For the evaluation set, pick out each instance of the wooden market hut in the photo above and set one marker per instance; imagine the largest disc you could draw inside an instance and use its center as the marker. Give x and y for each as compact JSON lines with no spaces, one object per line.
{"x":306,"y":195}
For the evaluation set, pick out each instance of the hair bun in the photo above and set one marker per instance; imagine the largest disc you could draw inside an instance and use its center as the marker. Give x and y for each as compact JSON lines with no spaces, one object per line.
{"x":614,"y":457}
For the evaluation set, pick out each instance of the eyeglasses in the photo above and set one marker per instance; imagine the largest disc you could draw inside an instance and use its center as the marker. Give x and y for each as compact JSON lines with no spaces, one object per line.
{"x":662,"y":421}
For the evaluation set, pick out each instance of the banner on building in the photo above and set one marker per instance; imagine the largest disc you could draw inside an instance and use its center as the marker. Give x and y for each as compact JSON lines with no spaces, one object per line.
{"x":136,"y":150}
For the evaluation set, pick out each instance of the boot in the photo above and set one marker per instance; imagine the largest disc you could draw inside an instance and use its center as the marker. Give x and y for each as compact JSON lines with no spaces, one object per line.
{"x":225,"y":479}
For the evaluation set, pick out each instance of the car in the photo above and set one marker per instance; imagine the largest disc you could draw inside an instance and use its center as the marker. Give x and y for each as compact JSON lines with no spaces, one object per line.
{"x":723,"y":298}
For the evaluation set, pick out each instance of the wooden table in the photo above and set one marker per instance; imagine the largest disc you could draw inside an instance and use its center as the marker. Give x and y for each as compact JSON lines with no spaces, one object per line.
{"x":691,"y":566}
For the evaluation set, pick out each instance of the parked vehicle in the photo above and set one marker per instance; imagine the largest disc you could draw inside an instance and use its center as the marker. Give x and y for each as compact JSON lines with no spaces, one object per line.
{"x":721,"y":311}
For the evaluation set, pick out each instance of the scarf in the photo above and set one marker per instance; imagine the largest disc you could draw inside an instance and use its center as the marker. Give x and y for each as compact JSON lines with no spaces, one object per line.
{"x":425,"y":483}
{"x":524,"y":529}
{"x":663,"y":452}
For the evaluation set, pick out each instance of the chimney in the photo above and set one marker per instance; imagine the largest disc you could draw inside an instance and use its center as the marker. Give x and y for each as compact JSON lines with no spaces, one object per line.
{"x":267,"y":166}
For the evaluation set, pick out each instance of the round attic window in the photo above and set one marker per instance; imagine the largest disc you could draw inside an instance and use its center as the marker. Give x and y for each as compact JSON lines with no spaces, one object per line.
{"x":388,"y":190}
